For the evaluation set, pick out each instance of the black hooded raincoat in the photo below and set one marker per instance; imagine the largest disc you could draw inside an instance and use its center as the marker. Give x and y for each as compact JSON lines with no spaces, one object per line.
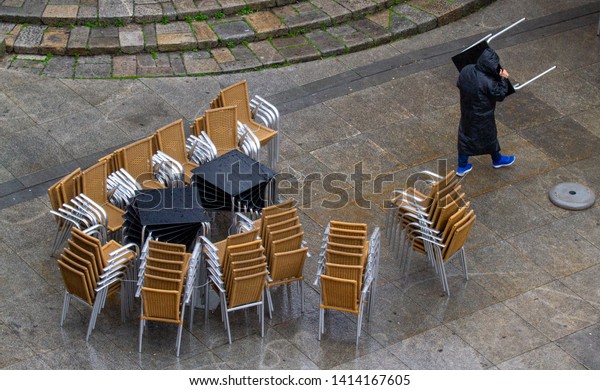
{"x":480,"y":88}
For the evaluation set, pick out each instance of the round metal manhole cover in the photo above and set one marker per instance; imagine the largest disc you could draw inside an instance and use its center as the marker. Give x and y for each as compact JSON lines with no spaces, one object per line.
{"x":572,"y":196}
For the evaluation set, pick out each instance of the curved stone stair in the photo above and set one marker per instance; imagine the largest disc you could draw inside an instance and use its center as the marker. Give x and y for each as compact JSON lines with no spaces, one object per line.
{"x":213,"y":37}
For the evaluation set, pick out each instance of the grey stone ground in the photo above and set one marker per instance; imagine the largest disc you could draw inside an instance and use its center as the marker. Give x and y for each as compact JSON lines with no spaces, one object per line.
{"x":533,"y":299}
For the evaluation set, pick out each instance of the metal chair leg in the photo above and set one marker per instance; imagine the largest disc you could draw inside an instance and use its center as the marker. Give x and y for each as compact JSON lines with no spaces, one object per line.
{"x":66,"y":303}
{"x":140,"y":337}
{"x":179,"y":337}
{"x":301,"y":284}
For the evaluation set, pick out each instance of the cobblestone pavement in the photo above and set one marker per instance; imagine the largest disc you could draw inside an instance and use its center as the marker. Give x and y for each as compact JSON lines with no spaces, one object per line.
{"x":532,"y":301}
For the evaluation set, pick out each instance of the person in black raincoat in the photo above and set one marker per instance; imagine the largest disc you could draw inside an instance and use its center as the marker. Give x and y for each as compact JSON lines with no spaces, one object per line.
{"x":481,"y":86}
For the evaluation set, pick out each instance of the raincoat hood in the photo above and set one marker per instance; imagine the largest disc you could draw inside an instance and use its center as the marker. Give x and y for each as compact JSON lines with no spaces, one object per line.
{"x":489,"y":62}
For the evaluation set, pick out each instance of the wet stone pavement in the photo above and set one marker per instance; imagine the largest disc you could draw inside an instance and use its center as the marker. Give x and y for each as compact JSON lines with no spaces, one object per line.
{"x":532,"y":300}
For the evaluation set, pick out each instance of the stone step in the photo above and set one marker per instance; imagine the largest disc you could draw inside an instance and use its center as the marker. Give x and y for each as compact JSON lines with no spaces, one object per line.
{"x":316,"y":19}
{"x":353,"y":35}
{"x":124,"y":11}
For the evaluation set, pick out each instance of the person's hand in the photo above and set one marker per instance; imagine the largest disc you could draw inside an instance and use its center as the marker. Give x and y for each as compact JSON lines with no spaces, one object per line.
{"x":504,"y":73}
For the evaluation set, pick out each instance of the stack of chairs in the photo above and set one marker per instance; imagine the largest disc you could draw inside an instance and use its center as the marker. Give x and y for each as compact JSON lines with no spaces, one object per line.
{"x":166,"y":282}
{"x":221,"y":127}
{"x":170,"y":140}
{"x":237,"y":269}
{"x":283,"y":239}
{"x":94,"y":186}
{"x":435,"y":222}
{"x":347,"y":270}
{"x":92,"y":271}
{"x":248,"y":110}
{"x":136,"y":159}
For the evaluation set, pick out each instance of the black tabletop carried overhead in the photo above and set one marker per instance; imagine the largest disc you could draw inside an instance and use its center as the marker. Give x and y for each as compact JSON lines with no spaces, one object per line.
{"x":471,"y":54}
{"x":170,"y":214}
{"x":231,"y":179}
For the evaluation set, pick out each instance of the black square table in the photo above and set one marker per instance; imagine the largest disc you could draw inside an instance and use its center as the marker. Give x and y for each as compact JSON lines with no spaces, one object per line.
{"x":233,"y":181}
{"x":170,"y":214}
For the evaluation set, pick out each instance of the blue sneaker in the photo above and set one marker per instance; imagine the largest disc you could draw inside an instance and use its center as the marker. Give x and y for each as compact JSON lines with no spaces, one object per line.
{"x":504,"y":161}
{"x":464,"y":170}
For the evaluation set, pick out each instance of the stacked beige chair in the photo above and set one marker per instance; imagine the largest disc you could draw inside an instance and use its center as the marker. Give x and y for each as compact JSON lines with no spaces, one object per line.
{"x":92,"y":271}
{"x":423,"y":220}
{"x":347,"y":271}
{"x":237,"y":270}
{"x":136,"y":159}
{"x":237,"y":95}
{"x":60,"y":193}
{"x":93,"y":181}
{"x":166,"y":283}
{"x":170,"y":139}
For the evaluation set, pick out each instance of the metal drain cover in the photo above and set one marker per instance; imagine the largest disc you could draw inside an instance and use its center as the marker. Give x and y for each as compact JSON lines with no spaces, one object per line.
{"x":572,"y":196}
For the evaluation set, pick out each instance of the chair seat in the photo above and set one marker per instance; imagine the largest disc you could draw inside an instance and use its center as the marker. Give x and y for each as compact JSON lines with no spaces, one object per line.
{"x":264,"y":134}
{"x":115,"y":217}
{"x":355,"y":311}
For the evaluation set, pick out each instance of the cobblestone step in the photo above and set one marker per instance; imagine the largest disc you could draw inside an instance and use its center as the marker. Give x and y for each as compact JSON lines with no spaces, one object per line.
{"x":194,"y":58}
{"x":124,"y":11}
{"x":94,"y":38}
{"x":289,"y":20}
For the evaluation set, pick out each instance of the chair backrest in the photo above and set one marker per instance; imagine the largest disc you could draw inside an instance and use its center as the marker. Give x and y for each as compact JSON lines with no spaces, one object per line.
{"x":346,"y":240}
{"x":246,"y":255}
{"x":161,"y":305}
{"x":75,"y":281}
{"x":286,"y":265}
{"x":199,"y":126}
{"x":346,"y":248}
{"x":348,"y":232}
{"x":277,"y":218}
{"x":87,"y":255}
{"x":247,"y":289}
{"x":245,"y":267}
{"x":275,"y":227}
{"x":449,"y":180}
{"x":336,"y":257}
{"x":452,"y":220}
{"x":348,"y":225}
{"x":351,"y":272}
{"x":168,"y":255}
{"x":278,"y":208}
{"x":82,"y":265}
{"x":90,"y":244}
{"x":286,"y":244}
{"x":459,"y":234}
{"x":338,"y":294}
{"x":157,"y":270}
{"x":137,"y":158}
{"x":166,"y":246}
{"x":163,"y":282}
{"x":221,"y":128}
{"x":56,"y":199}
{"x":242,"y":238}
{"x":444,"y":213}
{"x":175,"y":265}
{"x":71,"y":185}
{"x":93,"y":182}
{"x":245,"y":247}
{"x":171,"y":140}
{"x":237,"y":95}
{"x":280,"y":234}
